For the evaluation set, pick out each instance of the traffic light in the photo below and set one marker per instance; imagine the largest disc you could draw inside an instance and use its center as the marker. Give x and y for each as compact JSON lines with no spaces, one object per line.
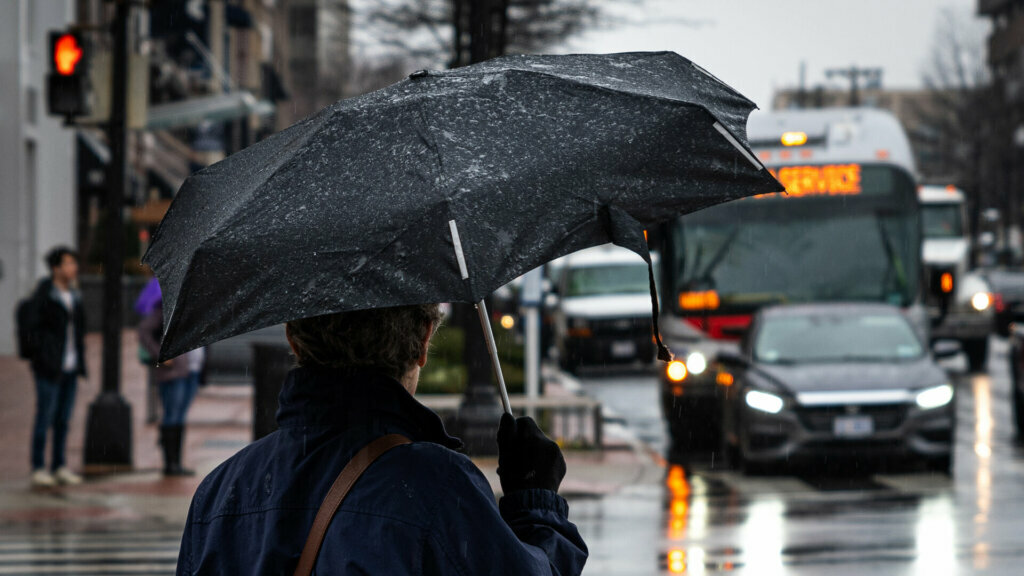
{"x":68,"y":91}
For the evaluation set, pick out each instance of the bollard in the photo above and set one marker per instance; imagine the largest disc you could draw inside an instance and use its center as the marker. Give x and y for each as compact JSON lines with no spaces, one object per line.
{"x":271,"y":363}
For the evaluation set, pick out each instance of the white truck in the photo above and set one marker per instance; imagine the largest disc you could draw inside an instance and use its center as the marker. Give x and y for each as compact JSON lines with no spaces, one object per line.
{"x":966,"y":315}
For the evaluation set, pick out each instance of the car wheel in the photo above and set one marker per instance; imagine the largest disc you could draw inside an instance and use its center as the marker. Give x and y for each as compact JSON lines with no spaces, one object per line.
{"x":1003,"y":326}
{"x":942,"y":465}
{"x":1018,"y":408}
{"x":977,"y":354}
{"x":569,"y":362}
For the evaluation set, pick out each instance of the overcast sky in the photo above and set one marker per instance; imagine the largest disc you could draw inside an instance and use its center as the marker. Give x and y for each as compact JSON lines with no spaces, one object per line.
{"x":757,"y":45}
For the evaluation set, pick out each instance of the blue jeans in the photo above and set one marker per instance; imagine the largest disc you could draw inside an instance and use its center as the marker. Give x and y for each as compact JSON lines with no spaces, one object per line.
{"x":176,"y":396}
{"x":55,"y":400}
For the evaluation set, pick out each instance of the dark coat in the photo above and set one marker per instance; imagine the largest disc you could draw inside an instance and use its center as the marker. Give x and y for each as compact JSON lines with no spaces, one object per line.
{"x":149,"y":330}
{"x":50,"y":319}
{"x":422,"y":508}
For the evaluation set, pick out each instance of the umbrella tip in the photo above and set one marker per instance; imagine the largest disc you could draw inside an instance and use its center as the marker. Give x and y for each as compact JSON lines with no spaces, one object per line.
{"x":419,"y":74}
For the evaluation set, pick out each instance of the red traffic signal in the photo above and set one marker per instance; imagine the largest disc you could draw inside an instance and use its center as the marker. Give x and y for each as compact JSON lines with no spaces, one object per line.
{"x":68,"y":91}
{"x":67,"y":53}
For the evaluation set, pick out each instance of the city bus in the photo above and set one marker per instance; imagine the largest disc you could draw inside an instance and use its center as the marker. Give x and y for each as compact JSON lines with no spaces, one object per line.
{"x":847,"y":229}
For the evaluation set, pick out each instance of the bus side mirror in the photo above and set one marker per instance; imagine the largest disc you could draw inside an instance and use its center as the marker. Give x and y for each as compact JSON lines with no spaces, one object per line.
{"x":732,"y":359}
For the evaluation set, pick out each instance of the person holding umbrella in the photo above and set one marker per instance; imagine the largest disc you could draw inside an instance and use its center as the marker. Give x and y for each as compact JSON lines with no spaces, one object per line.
{"x":422,"y":508}
{"x":439,"y":188}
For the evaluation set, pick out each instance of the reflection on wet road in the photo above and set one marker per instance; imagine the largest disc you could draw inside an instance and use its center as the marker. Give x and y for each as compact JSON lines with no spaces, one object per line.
{"x":704,"y":520}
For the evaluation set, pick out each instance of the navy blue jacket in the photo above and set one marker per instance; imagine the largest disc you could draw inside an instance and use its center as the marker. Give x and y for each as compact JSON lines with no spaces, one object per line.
{"x":422,"y":508}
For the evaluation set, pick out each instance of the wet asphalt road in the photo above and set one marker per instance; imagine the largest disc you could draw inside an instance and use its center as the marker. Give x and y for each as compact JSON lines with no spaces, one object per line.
{"x":702,"y":519}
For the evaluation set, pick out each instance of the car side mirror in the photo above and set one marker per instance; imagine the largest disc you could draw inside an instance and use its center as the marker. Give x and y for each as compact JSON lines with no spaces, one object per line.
{"x":732,"y":359}
{"x":946,"y":349}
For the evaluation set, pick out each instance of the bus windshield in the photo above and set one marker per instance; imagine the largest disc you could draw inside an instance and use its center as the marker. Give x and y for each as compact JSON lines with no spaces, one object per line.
{"x":941,"y":221}
{"x":862,"y":246}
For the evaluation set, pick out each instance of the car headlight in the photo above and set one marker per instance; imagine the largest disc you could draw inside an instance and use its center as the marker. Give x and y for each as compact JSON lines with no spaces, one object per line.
{"x":696,"y":363}
{"x":676,"y":371}
{"x":764,"y":401}
{"x":981,"y":301}
{"x":935,"y":397}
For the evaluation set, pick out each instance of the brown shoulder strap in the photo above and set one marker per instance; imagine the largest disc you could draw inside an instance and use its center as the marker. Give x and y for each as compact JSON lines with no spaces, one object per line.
{"x":342,"y":484}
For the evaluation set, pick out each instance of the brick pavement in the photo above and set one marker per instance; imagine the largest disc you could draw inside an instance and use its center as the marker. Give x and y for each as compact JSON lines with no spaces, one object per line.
{"x":219,"y":425}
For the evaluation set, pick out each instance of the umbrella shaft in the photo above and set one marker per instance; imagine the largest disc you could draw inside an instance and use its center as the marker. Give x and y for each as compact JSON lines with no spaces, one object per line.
{"x":485,"y":323}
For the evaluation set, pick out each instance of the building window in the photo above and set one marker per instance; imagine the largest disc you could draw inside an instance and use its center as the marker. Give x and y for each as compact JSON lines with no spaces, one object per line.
{"x":302,"y":21}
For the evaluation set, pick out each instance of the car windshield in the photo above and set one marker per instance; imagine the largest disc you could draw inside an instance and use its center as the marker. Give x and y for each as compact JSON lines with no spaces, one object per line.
{"x":941,"y":221}
{"x":812,"y":338}
{"x":608,"y":279}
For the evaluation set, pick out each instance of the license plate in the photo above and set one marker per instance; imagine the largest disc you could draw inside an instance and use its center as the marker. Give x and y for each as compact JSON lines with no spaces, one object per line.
{"x":623,"y":349}
{"x":853,"y":426}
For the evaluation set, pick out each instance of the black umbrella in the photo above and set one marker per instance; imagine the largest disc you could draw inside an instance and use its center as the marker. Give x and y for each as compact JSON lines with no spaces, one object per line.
{"x":447,"y":185}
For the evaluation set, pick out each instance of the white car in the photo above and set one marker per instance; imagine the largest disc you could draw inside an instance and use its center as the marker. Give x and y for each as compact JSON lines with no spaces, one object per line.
{"x":604,"y":310}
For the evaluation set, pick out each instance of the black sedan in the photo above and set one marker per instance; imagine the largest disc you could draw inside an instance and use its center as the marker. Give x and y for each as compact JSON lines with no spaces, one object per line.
{"x":835,"y":380}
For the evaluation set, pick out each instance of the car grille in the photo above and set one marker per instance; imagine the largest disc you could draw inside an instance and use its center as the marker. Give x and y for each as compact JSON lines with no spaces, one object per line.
{"x":885,"y":416}
{"x":621,"y":326}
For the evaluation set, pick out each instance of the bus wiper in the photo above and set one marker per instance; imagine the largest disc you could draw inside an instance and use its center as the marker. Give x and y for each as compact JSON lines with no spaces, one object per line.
{"x":894,"y":263}
{"x":719,"y":256}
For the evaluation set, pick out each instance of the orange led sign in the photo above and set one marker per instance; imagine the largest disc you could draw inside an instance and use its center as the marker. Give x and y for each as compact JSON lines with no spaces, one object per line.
{"x":826,"y":180}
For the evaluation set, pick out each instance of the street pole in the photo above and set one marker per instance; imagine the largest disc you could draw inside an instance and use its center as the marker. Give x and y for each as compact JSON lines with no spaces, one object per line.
{"x":480,"y":410}
{"x":108,"y":435}
{"x":854,"y":74}
{"x":532,"y":296}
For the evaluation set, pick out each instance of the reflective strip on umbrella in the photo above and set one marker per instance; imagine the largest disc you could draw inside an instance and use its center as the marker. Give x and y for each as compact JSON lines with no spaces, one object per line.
{"x":721,"y":129}
{"x":458,"y":249}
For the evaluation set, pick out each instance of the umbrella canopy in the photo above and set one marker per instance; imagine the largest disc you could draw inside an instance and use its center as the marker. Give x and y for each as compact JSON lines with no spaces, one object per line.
{"x":447,"y":185}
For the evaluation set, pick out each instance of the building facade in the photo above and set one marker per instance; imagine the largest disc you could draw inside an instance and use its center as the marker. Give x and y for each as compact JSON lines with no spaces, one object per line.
{"x":38,"y":203}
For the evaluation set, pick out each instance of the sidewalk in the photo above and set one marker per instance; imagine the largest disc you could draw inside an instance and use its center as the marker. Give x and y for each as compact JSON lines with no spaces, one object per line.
{"x":219,"y":425}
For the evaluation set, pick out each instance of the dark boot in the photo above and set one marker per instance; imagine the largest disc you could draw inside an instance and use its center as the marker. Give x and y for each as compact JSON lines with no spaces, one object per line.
{"x":174,"y":438}
{"x":166,"y":445}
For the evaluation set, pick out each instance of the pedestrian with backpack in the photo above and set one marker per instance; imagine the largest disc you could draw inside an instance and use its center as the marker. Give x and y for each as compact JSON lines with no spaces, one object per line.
{"x":51,"y":330}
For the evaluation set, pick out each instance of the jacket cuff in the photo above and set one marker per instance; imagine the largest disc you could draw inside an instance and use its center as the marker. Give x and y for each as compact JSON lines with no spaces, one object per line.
{"x":520,"y":501}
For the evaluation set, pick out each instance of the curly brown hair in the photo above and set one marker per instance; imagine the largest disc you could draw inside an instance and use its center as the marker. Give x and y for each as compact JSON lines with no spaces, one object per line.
{"x":389,"y":339}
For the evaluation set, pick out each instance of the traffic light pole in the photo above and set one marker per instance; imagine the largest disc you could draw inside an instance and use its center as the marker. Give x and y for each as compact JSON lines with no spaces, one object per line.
{"x":108,"y":438}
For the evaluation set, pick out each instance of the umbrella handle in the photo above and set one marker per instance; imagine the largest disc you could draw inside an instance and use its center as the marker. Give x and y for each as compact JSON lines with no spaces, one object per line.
{"x":485,"y":323}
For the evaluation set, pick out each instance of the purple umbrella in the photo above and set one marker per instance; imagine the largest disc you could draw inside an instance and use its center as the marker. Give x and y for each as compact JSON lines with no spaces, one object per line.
{"x":149,"y":298}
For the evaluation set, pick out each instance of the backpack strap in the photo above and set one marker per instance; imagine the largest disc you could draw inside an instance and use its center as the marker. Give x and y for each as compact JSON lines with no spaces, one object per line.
{"x":342,"y":484}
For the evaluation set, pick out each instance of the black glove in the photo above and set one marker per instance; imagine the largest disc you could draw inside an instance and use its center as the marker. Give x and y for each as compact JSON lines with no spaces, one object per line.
{"x":526,"y":457}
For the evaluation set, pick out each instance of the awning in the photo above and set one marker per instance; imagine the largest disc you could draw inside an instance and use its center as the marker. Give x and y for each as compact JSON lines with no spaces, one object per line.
{"x":214,"y":108}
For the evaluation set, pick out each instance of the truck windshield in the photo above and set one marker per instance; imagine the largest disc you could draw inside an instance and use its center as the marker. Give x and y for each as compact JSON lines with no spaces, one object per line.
{"x":609,"y":279}
{"x":792,"y":248}
{"x":941,"y":220}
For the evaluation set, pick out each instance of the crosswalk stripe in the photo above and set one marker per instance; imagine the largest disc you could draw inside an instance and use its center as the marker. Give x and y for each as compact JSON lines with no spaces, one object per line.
{"x":142,"y":552}
{"x":121,"y":569}
{"x":163,"y":535}
{"x":54,"y":556}
{"x":93,"y":545}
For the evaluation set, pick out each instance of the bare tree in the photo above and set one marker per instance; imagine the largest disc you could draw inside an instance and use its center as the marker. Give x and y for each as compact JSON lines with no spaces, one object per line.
{"x":963,"y":132}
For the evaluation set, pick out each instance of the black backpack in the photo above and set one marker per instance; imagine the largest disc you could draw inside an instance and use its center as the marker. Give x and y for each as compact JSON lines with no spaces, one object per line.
{"x":27,"y":320}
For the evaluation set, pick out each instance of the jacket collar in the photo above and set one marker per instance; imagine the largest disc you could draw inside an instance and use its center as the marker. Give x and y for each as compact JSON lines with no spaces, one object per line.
{"x":50,"y":288}
{"x":318,"y":396}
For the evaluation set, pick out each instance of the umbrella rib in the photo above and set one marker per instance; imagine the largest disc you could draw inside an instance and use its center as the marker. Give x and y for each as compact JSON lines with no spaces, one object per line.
{"x":736,"y":144}
{"x":458,"y":249}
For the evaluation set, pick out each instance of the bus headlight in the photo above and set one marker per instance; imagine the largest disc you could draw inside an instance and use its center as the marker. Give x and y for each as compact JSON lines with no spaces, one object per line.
{"x":935,"y":397}
{"x":981,"y":301}
{"x":764,"y":402}
{"x":696,"y":363}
